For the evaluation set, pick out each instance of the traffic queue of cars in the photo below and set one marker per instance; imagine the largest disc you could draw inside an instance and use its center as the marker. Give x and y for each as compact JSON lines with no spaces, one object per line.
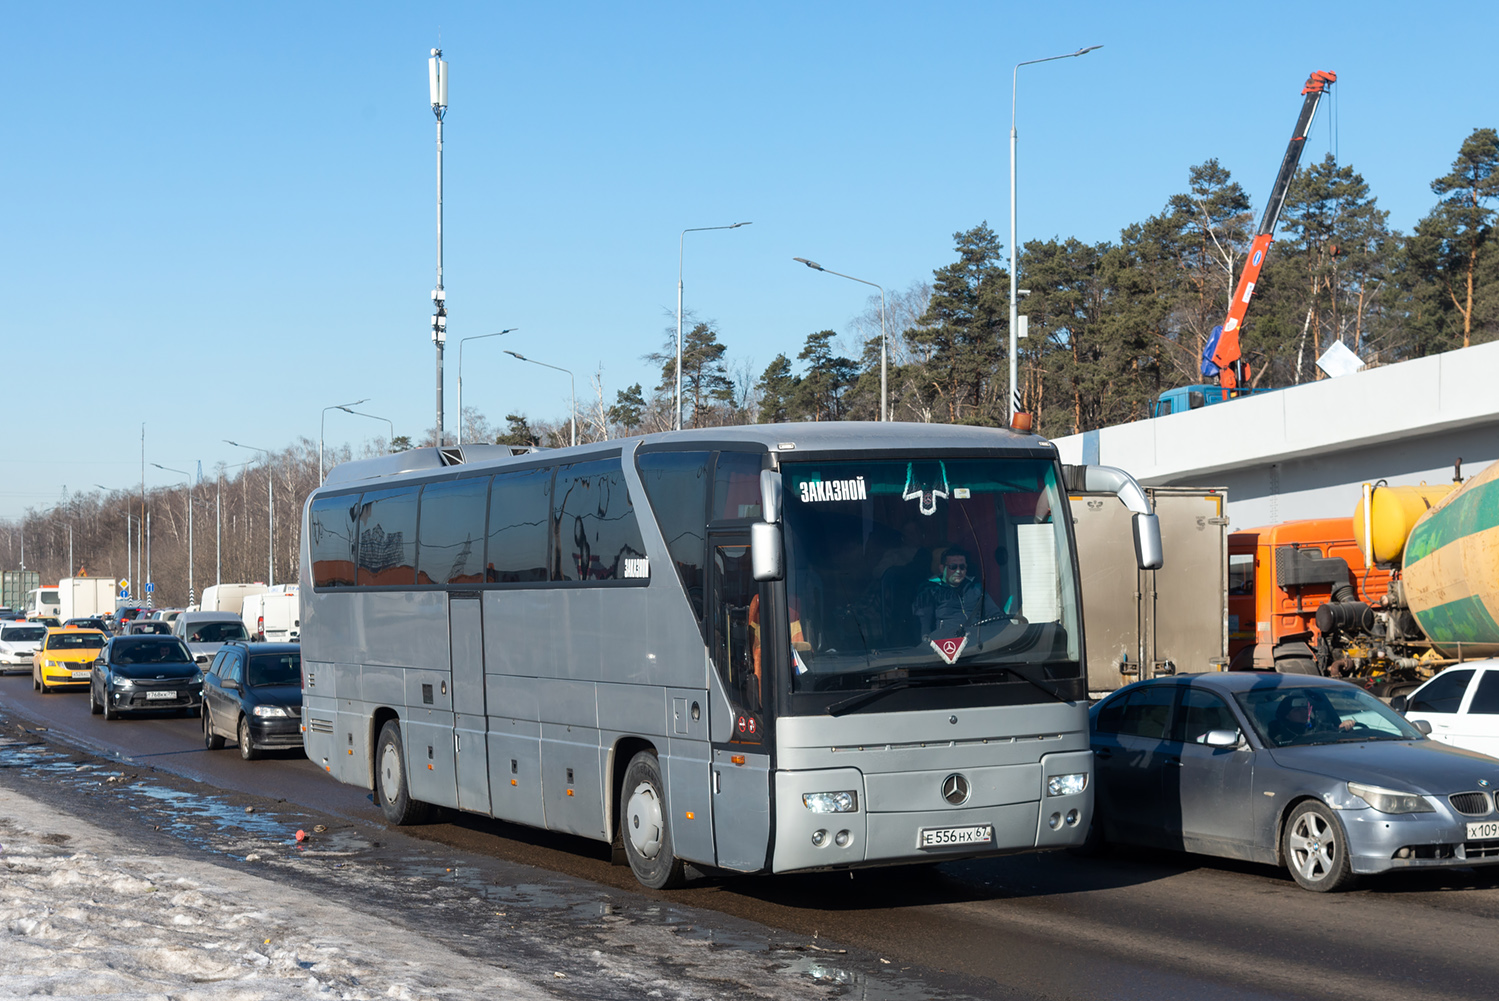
{"x":203,"y":663}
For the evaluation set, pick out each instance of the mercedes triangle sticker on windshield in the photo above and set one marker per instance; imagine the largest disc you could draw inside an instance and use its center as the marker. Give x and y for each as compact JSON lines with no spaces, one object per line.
{"x":949,"y":649}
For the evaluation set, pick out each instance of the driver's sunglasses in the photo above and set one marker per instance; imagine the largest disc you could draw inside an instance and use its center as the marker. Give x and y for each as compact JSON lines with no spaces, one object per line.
{"x":956,"y":566}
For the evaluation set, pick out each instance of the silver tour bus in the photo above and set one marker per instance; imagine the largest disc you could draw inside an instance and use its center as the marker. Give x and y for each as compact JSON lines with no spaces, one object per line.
{"x":755,"y":649}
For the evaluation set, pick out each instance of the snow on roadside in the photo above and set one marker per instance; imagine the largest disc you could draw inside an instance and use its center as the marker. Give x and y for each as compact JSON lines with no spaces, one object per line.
{"x":78,"y":919}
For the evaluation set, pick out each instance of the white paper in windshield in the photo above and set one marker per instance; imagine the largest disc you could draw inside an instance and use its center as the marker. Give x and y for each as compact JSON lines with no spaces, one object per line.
{"x":1036,"y":547}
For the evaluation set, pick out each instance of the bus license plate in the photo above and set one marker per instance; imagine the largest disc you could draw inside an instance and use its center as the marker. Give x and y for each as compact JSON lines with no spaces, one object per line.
{"x":948,"y":837}
{"x":151,"y":696}
{"x":1483,"y":831}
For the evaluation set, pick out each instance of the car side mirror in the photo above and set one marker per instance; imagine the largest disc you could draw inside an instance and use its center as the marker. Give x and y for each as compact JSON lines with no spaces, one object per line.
{"x":1222,"y":738}
{"x":1400,"y":703}
{"x":1423,"y":726}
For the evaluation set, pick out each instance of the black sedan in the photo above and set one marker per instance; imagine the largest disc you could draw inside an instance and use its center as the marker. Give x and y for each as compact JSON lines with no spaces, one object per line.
{"x":135,"y":673}
{"x":252,"y":692}
{"x":1311,"y":773}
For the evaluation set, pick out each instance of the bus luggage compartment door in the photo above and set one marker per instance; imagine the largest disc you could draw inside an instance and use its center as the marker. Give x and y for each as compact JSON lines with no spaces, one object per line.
{"x":466,"y":641}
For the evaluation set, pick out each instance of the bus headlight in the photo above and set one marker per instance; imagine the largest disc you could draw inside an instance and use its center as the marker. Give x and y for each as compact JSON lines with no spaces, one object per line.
{"x":1066,"y":785}
{"x":846,"y":801}
{"x":270,"y":711}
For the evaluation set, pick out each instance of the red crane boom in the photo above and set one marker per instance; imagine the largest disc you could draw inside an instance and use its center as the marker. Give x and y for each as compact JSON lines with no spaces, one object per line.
{"x":1222,"y":357}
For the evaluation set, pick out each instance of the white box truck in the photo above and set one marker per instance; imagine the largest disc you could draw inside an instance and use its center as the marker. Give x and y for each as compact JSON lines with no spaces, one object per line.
{"x":228,"y":597}
{"x":275,"y":617}
{"x":83,"y":597}
{"x":1146,"y":623}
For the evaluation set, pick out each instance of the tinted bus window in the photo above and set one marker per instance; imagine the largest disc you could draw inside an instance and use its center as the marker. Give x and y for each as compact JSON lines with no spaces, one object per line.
{"x":677,"y":485}
{"x":596,"y":537}
{"x":451,"y":548}
{"x":330,"y":543}
{"x":519,"y":504}
{"x":387,"y":537}
{"x":736,"y":486}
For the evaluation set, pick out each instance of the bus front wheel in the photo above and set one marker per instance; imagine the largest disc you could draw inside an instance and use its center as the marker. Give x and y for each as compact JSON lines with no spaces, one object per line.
{"x":645,"y":828}
{"x":390,"y":780}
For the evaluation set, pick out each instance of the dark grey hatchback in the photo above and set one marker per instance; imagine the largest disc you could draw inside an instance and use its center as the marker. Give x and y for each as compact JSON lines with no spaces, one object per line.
{"x":135,"y":673}
{"x":252,"y":692}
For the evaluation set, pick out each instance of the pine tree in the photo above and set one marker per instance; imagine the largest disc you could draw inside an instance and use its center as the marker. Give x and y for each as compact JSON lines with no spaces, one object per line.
{"x":961,"y":333}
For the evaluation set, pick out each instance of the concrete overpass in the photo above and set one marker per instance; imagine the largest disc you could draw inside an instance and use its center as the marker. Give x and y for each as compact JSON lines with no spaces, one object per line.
{"x":1305,"y":451}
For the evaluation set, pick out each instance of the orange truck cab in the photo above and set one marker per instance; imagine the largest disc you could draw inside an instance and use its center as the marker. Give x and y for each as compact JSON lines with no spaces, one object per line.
{"x":1277,"y":578}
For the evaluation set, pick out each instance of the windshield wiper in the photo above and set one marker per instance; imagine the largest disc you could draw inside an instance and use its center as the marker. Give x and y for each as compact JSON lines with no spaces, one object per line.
{"x":896,"y":684}
{"x":1031,"y":681}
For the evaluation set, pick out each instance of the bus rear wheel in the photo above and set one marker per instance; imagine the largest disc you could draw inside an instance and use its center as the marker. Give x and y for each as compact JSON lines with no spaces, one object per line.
{"x":644,"y":826}
{"x":390,"y":780}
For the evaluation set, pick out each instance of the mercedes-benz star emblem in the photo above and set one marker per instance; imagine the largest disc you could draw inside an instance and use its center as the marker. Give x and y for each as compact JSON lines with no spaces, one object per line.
{"x":955,"y":789}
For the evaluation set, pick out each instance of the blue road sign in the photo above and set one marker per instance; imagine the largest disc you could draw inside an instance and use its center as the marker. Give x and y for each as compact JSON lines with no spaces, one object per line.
{"x":150,"y":588}
{"x":124,"y":594}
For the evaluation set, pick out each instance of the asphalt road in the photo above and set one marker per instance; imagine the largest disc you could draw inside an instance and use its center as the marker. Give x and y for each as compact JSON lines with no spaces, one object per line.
{"x":1135,"y":924}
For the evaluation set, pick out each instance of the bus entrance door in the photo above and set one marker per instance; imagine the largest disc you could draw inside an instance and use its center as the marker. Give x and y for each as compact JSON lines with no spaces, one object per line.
{"x":470,"y":718}
{"x":741,"y":749}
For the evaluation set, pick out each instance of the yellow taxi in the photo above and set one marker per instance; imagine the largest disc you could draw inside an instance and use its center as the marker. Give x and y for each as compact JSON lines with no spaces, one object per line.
{"x":65,"y":658}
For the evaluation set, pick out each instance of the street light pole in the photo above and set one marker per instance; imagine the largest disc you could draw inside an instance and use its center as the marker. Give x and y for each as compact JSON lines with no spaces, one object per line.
{"x":571,"y":380}
{"x":884,"y":350}
{"x":680,"y":242}
{"x":376,"y":417}
{"x":1014,"y":296}
{"x":437,"y":82}
{"x":323,"y":426}
{"x":475,"y":337}
{"x":270,"y":573}
{"x":192,"y":594}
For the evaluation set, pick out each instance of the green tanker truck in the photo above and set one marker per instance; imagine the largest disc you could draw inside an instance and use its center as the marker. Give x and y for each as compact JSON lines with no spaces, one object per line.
{"x":1442,"y":606}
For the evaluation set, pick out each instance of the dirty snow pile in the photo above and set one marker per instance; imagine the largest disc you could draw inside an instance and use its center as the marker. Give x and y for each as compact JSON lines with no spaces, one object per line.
{"x":79,"y":918}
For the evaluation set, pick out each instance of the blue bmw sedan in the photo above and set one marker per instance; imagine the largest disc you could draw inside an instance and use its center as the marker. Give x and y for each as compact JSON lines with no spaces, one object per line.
{"x":1310,"y":773}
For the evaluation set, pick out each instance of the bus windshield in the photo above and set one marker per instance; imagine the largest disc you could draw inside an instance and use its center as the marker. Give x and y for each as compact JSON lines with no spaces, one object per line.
{"x":936,"y":569}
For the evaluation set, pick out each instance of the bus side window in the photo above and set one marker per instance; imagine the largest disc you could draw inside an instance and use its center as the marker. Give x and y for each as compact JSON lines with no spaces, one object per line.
{"x":677,"y":485}
{"x":331,"y":541}
{"x":387,"y":537}
{"x":736,"y":486}
{"x":737,"y":636}
{"x":450,"y":547}
{"x":594,"y":529}
{"x":519,"y":506}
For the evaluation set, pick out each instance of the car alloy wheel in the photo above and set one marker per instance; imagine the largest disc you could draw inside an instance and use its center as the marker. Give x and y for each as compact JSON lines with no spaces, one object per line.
{"x":1315,"y":849}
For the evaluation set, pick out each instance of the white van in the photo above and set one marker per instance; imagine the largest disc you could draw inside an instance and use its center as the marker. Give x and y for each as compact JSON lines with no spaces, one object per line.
{"x":228,"y":597}
{"x":274,"y":618}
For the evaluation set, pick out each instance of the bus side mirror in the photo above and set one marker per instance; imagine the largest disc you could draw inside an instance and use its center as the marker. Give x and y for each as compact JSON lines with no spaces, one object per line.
{"x":765,"y":551}
{"x":1148,"y":542}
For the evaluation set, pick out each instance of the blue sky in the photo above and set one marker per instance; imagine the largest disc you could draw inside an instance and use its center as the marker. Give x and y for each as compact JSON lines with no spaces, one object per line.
{"x":220,"y":219}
